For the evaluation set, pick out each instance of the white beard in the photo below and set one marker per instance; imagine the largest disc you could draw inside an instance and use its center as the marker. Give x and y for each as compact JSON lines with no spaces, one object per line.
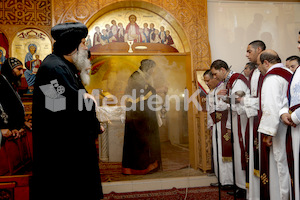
{"x":85,"y":77}
{"x":83,"y":64}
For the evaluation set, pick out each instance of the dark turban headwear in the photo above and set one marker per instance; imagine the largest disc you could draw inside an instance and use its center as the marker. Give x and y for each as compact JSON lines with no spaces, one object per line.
{"x":8,"y":66}
{"x":68,"y":36}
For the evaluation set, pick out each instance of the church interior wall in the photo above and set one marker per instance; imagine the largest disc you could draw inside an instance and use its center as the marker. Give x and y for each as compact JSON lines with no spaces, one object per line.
{"x":234,"y":24}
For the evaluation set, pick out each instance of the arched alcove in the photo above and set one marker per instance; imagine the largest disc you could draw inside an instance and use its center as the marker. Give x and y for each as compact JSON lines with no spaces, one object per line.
{"x":112,"y":67}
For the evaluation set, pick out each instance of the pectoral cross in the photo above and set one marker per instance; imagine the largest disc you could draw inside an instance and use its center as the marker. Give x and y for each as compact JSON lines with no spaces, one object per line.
{"x":4,"y":116}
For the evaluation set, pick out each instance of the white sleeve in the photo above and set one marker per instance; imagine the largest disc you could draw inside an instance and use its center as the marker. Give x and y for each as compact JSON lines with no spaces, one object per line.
{"x":210,"y":122}
{"x":251,"y":106}
{"x":272,"y":93}
{"x":295,"y":118}
{"x":239,"y":85}
{"x":285,"y":108}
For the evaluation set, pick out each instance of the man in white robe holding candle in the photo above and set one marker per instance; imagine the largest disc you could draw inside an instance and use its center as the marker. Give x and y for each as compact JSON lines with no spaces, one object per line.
{"x":217,"y":114}
{"x":235,"y":84}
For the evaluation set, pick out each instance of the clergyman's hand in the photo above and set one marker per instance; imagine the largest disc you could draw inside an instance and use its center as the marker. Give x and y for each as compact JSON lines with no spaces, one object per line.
{"x":15,"y":134}
{"x":267,"y":139}
{"x":28,"y":125}
{"x":222,"y":92}
{"x":287,"y":119}
{"x":6,"y":133}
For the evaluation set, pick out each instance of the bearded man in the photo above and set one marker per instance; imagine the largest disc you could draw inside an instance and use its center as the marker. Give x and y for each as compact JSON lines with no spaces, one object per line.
{"x":65,"y":156}
{"x":11,"y":108}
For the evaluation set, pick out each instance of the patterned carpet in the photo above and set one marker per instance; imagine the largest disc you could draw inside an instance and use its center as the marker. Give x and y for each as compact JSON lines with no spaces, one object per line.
{"x":199,"y":193}
{"x":175,"y":162}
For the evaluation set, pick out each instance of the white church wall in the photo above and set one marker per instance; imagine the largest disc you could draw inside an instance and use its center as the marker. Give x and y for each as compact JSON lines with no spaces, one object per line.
{"x":234,"y":24}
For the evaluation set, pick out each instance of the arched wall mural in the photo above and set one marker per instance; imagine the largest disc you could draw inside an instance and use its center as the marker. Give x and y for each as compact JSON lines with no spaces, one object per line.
{"x":188,"y":21}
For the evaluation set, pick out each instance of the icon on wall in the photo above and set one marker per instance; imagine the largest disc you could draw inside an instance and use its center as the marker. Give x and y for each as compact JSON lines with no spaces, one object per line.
{"x":3,"y":48}
{"x":31,"y":46}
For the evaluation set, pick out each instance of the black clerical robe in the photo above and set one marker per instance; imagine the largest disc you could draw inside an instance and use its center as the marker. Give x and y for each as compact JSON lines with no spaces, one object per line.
{"x":141,"y":150}
{"x":11,"y":107}
{"x":64,"y":150}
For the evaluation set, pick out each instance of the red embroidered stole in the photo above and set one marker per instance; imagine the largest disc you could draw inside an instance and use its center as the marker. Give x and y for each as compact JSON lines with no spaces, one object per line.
{"x":265,"y":150}
{"x":229,"y":85}
{"x":225,"y":137}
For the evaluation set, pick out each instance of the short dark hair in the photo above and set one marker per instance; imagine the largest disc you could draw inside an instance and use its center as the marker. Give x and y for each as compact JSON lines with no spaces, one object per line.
{"x":208,"y":72}
{"x":147,"y":64}
{"x":297,"y":58}
{"x":270,"y":57}
{"x":258,"y":43}
{"x":218,"y":64}
{"x":251,"y":65}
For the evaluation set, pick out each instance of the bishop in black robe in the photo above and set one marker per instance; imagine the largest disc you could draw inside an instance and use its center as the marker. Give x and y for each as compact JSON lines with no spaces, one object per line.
{"x":65,"y":156}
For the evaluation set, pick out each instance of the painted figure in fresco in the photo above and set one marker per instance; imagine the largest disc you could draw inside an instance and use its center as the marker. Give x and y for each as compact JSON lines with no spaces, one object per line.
{"x":162,"y":34}
{"x":143,"y":37}
{"x":169,"y":39}
{"x":121,"y":33}
{"x":146,"y":32}
{"x":30,"y":64}
{"x":104,"y":37}
{"x":114,"y":29}
{"x":97,"y":36}
{"x":110,"y":36}
{"x":36,"y":63}
{"x":29,"y":56}
{"x":141,"y":150}
{"x":152,"y":30}
{"x":155,"y":37}
{"x":2,"y":58}
{"x":88,"y":42}
{"x":132,"y":30}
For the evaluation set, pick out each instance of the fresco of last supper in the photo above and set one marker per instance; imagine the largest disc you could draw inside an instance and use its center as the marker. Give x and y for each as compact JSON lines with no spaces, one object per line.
{"x":137,"y":25}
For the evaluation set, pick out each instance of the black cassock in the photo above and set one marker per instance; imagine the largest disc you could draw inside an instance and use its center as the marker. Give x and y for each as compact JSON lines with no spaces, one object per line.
{"x":64,"y":151}
{"x":11,"y":107}
{"x":141,"y":150}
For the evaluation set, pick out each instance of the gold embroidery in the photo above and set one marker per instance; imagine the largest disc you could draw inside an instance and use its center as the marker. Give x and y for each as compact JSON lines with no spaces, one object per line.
{"x":256,"y":172}
{"x":264,"y":179}
{"x":227,"y":137}
{"x":247,"y":157}
{"x":256,"y":143}
{"x":138,"y":99}
{"x":290,"y":112}
{"x":227,"y":159}
{"x":218,"y":116}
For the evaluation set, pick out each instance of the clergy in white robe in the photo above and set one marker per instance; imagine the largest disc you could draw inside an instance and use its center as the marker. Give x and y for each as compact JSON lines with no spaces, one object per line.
{"x":213,"y":104}
{"x":234,"y":83}
{"x":273,"y":92}
{"x":251,"y":106}
{"x":292,"y":117}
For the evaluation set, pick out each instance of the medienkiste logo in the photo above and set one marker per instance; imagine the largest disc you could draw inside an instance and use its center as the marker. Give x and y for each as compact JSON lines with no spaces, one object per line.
{"x":54,"y":100}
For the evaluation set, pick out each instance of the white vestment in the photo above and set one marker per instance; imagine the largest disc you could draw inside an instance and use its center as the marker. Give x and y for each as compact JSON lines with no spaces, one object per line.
{"x":226,"y":177}
{"x":251,"y":106}
{"x":238,"y":109}
{"x":295,"y":100}
{"x":273,"y":93}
